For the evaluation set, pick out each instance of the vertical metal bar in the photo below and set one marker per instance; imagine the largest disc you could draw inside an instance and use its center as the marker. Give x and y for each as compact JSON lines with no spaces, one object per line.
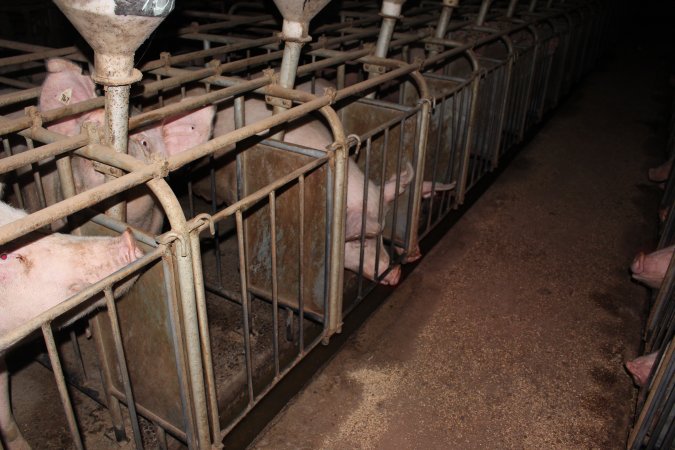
{"x":161,"y":437}
{"x":511,"y":9}
{"x":36,"y":178}
{"x":337,"y":244}
{"x":275,"y":281}
{"x":437,"y":150}
{"x":78,"y":354}
{"x":15,"y":185}
{"x":205,"y":338}
{"x":301,"y":258}
{"x":122,"y":364}
{"x":399,"y":163}
{"x":61,"y":385}
{"x":287,"y":72}
{"x":182,"y":368}
{"x":482,"y":13}
{"x":462,"y":181}
{"x":108,"y":372}
{"x":362,"y":238}
{"x":116,"y":131}
{"x":243,"y":276}
{"x":533,"y":6}
{"x":419,"y":158}
{"x":380,"y":212}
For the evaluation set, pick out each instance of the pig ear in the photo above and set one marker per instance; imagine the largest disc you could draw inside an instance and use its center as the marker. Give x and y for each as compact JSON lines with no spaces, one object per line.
{"x":62,"y":65}
{"x":427,"y":187}
{"x":189,"y":130}
{"x":63,"y":86}
{"x":390,"y":186}
{"x":129,"y":250}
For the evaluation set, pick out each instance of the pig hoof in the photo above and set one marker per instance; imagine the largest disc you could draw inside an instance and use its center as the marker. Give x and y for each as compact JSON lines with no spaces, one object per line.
{"x":18,"y":443}
{"x":392,"y":277}
{"x":415,"y":256}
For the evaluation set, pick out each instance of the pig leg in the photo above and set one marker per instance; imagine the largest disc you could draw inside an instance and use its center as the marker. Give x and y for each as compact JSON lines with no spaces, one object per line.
{"x":9,"y":430}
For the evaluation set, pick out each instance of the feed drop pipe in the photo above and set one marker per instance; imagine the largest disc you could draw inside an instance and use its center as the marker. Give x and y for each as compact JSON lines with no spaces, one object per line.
{"x":115,"y":30}
{"x":297,"y":15}
{"x":391,"y":11}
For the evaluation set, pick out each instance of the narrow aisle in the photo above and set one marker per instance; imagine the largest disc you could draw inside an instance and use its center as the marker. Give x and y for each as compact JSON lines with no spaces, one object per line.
{"x":513,"y":331}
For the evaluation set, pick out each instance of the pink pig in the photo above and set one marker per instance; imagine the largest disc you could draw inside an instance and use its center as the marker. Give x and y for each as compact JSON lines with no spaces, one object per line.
{"x":640,"y":368}
{"x":314,"y":134}
{"x":650,"y":269}
{"x":37,"y":273}
{"x":65,"y":84}
{"x":660,"y":173}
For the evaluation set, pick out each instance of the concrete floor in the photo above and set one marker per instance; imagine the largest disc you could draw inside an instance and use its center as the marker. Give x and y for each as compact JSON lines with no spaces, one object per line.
{"x":512,"y":332}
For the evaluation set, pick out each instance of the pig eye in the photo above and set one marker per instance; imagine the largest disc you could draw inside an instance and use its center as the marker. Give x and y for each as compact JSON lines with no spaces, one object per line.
{"x":144,"y":143}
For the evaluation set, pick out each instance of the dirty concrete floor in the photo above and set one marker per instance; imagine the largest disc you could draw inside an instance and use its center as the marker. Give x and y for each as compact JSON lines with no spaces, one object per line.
{"x":512,"y":332}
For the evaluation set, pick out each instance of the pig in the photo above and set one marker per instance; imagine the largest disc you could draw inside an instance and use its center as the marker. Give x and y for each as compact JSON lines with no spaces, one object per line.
{"x":651,"y":269}
{"x":660,"y":173}
{"x":315,"y":134}
{"x":41,"y":271}
{"x":65,"y":84}
{"x":640,"y":368}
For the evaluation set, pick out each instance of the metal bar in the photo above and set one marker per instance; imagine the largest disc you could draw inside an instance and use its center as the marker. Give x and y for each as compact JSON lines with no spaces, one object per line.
{"x":245,"y":307}
{"x":61,"y":385}
{"x":275,"y":281}
{"x":122,"y":363}
{"x":205,"y":338}
{"x":36,"y":56}
{"x":301,"y":258}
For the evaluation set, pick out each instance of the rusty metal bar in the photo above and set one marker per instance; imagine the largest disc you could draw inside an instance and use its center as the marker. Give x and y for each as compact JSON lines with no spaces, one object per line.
{"x":205,"y":338}
{"x":61,"y":385}
{"x":122,"y":361}
{"x":275,"y":280}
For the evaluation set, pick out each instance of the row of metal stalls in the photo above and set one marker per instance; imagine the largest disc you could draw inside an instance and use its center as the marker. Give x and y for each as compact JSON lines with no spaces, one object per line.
{"x":655,"y":411}
{"x":248,"y":274}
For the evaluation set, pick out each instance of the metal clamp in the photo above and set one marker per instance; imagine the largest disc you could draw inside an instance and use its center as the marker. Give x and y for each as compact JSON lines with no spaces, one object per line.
{"x":171,"y":237}
{"x":34,"y":114}
{"x":200,"y":219}
{"x":108,"y":170}
{"x":374,"y":68}
{"x":354,"y":138}
{"x":135,"y":76}
{"x":278,"y":101}
{"x":431,"y":101}
{"x":162,"y":165}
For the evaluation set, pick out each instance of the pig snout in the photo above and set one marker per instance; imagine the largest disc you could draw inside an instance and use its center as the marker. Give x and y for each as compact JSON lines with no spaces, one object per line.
{"x":661,"y":173}
{"x":640,"y":368}
{"x":651,"y":269}
{"x":638,"y":264}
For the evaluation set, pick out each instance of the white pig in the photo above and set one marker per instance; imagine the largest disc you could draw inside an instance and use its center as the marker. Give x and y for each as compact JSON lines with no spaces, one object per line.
{"x":65,"y":84}
{"x":40,"y":271}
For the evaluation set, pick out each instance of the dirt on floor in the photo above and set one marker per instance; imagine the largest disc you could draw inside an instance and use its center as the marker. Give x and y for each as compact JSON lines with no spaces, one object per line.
{"x":513,"y":331}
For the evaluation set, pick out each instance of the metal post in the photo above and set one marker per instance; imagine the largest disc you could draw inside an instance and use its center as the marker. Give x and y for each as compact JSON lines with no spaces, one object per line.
{"x":512,"y":8}
{"x":482,"y":13}
{"x":391,"y":11}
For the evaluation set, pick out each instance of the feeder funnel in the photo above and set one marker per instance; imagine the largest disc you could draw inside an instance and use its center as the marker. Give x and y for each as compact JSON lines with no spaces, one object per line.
{"x":115,"y":29}
{"x":297,"y":14}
